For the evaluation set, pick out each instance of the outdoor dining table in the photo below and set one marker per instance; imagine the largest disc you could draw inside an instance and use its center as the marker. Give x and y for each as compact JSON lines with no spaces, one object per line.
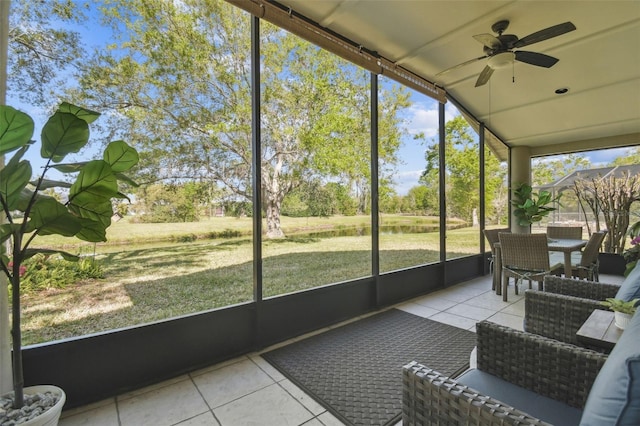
{"x":565,"y":246}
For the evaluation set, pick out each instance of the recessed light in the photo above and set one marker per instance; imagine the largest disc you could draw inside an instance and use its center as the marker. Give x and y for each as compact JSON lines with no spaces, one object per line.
{"x":561,"y":91}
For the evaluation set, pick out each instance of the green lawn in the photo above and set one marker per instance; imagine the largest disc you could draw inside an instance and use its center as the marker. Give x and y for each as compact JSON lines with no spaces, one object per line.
{"x":149,"y":276}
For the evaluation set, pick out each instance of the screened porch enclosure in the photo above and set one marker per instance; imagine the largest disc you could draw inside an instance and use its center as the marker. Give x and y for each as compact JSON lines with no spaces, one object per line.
{"x":109,"y":362}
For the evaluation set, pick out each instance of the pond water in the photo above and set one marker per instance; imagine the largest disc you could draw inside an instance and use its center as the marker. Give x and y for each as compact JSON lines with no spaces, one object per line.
{"x":365,"y":231}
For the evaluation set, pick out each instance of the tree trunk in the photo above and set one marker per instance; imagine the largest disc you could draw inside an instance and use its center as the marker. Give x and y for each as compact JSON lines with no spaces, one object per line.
{"x":272,"y":207}
{"x":6,"y":375}
{"x":273,"y":196}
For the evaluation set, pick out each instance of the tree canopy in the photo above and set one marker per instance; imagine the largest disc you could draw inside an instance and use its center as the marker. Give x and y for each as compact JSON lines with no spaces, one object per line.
{"x":548,"y":170}
{"x":42,"y":50}
{"x":462,"y":178}
{"x":177,"y":80}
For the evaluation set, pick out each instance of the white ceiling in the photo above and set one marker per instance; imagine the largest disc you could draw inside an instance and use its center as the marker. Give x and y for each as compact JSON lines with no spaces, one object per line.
{"x":599,"y":62}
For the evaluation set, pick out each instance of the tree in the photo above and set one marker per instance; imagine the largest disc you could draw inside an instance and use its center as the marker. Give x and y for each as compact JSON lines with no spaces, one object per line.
{"x":177,"y":202}
{"x":462,"y":184}
{"x":547,"y":170}
{"x":496,"y":189}
{"x":41,"y":54}
{"x":632,"y":157}
{"x":419,"y":199}
{"x":610,"y":198}
{"x":178,"y":82}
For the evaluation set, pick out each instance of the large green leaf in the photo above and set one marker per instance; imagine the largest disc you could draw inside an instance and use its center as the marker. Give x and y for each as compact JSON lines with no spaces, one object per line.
{"x":90,"y":207}
{"x":63,"y":134}
{"x":50,"y":217}
{"x":16,"y":129}
{"x":97,"y":179}
{"x":25,"y":198}
{"x":65,"y":255}
{"x":46,"y":184}
{"x":82,"y":113}
{"x":92,"y":231}
{"x":69,"y":167}
{"x":7,"y":230}
{"x":14,"y":177}
{"x":120,"y":156}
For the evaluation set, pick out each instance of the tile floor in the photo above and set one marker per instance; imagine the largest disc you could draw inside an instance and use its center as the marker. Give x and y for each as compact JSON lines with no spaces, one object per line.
{"x":248,"y":391}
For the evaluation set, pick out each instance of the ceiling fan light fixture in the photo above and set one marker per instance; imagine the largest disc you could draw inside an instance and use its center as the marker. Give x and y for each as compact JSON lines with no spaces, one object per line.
{"x":502,"y":60}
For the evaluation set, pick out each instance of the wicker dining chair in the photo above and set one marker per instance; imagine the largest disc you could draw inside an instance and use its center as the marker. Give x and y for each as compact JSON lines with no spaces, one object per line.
{"x":492,"y":237}
{"x":525,"y":257}
{"x":585,"y":265}
{"x":565,"y":232}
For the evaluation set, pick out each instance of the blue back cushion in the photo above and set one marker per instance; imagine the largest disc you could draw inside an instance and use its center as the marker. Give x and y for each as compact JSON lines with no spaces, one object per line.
{"x":614,"y":398}
{"x":630,"y":288}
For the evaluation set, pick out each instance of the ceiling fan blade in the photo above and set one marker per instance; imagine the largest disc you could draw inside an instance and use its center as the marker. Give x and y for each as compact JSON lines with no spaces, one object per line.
{"x":484,"y":76}
{"x":534,"y":58}
{"x":461,"y":65}
{"x":488,"y":40}
{"x":545,"y":34}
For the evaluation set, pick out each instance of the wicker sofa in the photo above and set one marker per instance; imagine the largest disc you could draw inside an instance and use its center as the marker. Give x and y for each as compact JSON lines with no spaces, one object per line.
{"x":527,"y":379}
{"x":566,"y":303}
{"x":519,"y":376}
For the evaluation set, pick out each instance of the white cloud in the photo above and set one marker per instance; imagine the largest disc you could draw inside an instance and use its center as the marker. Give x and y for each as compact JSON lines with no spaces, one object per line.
{"x":405,"y":180}
{"x":422,"y":119}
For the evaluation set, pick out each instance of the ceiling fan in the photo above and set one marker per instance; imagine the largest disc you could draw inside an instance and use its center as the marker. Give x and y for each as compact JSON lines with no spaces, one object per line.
{"x":499,"y":49}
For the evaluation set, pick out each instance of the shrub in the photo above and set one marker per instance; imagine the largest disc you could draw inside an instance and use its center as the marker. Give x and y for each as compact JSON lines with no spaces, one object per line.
{"x":44,"y":272}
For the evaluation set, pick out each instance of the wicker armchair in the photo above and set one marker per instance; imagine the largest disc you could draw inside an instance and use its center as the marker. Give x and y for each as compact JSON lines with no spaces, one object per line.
{"x":557,"y":370}
{"x":564,"y":305}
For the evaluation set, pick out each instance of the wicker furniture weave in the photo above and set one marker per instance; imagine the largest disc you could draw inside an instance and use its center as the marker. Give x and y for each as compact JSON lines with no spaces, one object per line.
{"x":558,"y":370}
{"x":585,"y":264}
{"x":588,"y":266}
{"x":525,"y":257}
{"x":564,"y":305}
{"x":565,"y":232}
{"x":492,"y":238}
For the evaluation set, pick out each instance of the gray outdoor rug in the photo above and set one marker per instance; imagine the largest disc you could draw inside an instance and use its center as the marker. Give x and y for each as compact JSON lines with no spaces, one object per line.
{"x":355,"y":371}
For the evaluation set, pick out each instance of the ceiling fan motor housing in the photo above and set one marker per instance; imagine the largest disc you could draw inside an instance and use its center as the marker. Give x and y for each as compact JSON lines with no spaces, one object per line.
{"x":500,"y":26}
{"x":506,"y":43}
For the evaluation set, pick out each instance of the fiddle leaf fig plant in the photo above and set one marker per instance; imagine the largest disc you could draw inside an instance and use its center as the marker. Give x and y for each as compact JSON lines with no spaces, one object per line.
{"x":532,"y":206}
{"x":29,"y":211}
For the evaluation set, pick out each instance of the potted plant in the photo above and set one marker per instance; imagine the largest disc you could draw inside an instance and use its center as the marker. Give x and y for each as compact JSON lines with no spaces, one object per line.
{"x":29,"y":212}
{"x":531,"y":206}
{"x":622,"y":310}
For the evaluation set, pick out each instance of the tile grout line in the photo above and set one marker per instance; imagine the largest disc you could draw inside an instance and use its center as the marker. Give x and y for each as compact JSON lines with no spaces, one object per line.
{"x":278,"y":382}
{"x":205,"y":402}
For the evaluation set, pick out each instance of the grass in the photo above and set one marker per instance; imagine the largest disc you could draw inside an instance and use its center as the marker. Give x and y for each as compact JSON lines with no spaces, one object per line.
{"x":148,"y":281}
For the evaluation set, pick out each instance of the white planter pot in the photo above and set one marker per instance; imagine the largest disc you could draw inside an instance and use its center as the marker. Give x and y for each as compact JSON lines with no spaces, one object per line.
{"x":621,"y":319}
{"x":52,"y":415}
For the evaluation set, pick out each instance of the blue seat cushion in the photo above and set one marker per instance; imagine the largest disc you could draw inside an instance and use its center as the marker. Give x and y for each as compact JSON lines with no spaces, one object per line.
{"x":614,"y":398}
{"x":630,"y":288}
{"x":542,"y":407}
